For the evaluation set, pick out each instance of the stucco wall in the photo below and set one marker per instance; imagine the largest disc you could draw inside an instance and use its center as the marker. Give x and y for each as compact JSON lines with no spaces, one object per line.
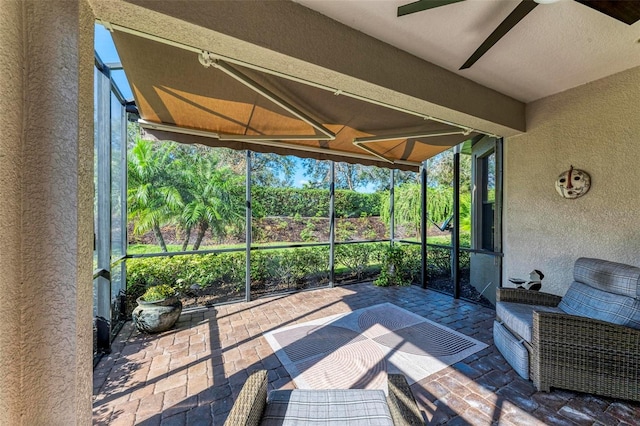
{"x":46,"y":212}
{"x":10,"y":218}
{"x":595,"y":127}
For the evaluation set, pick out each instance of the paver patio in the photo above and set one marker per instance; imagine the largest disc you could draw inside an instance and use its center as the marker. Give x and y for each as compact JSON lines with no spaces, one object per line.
{"x":192,"y":374}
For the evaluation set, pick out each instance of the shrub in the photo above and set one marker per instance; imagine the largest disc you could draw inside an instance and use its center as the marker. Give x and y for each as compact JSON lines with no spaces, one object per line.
{"x":289,"y":267}
{"x":158,"y":292}
{"x":202,"y":271}
{"x":358,"y":257}
{"x":307,"y":233}
{"x":185,"y":272}
{"x":345,"y":230}
{"x":398,"y":268}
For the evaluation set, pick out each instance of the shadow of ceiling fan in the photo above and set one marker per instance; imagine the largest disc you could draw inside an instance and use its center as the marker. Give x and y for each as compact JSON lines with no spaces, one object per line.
{"x":624,"y":11}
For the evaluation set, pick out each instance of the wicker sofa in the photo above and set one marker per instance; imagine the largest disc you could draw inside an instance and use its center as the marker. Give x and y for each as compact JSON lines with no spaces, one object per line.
{"x":328,"y":407}
{"x":587,"y":341}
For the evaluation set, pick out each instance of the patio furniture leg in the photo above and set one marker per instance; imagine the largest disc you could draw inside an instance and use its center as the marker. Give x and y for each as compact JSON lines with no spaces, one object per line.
{"x":248,"y":408}
{"x":402,"y":404}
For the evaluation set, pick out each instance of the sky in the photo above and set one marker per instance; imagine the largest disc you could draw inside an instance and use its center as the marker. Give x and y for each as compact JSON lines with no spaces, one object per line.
{"x":107,"y":53}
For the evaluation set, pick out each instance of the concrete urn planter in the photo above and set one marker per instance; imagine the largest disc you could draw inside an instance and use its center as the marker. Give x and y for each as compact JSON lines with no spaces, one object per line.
{"x":158,"y":316}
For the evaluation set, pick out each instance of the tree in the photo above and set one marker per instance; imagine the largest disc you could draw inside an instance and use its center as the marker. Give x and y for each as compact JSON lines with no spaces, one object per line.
{"x":215,"y":197}
{"x":151,"y":198}
{"x":440,"y":170}
{"x":347,"y":176}
{"x":272,"y":169}
{"x":380,"y":178}
{"x":439,"y":206}
{"x":266,"y":169}
{"x":355,"y":176}
{"x":407,"y":206}
{"x":182,"y":158}
{"x":439,"y":194}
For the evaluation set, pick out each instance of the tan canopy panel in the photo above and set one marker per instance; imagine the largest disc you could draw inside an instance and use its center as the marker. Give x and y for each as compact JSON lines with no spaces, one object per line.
{"x":196,"y":98}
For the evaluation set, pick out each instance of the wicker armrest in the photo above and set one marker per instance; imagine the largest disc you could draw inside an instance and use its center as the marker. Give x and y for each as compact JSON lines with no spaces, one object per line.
{"x":402,"y":404}
{"x":529,"y":297}
{"x":248,"y":408}
{"x":585,"y":354}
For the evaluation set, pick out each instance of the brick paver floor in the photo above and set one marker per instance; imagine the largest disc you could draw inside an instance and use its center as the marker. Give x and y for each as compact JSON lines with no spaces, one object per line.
{"x":191,"y":375}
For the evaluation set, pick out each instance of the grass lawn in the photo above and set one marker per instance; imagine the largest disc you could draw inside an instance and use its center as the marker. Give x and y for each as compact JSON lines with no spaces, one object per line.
{"x":443,"y":240}
{"x":153,"y":248}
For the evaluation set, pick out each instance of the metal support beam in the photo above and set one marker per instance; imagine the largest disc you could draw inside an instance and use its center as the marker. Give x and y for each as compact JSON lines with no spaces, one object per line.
{"x":392,"y":207}
{"x":497,"y":238}
{"x":423,"y":223}
{"x":150,"y":127}
{"x":103,"y":211}
{"x":455,"y":236}
{"x":207,"y":60}
{"x":123,"y":209}
{"x":332,"y":224}
{"x":360,"y":142}
{"x":248,"y":214}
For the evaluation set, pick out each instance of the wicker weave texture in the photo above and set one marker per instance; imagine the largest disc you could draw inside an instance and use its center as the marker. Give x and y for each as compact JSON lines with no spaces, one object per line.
{"x":518,"y":295}
{"x":585,"y":355}
{"x":402,"y":404}
{"x":248,"y":408}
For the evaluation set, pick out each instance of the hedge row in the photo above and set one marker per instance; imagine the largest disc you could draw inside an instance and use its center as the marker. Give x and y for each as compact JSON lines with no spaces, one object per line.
{"x":289,"y":267}
{"x":268,"y":201}
{"x":203,"y":271}
{"x":220,"y":269}
{"x":216,"y":269}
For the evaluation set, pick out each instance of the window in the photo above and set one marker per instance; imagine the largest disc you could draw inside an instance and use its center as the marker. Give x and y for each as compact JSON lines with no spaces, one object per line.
{"x":488,"y":189}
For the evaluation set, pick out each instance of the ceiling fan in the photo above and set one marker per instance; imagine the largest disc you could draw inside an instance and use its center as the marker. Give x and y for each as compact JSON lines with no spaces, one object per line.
{"x":624,"y":11}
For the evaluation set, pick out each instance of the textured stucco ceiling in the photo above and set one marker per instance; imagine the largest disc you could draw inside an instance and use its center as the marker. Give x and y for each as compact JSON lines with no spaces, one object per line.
{"x":556,"y":47}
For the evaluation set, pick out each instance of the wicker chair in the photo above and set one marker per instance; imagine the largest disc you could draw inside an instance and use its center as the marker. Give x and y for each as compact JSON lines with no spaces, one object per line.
{"x":252,"y":401}
{"x":588,"y":341}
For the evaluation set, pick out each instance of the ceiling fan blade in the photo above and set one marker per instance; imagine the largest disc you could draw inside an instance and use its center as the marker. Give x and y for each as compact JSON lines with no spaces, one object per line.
{"x":624,"y":11}
{"x":420,"y":5}
{"x":509,"y":22}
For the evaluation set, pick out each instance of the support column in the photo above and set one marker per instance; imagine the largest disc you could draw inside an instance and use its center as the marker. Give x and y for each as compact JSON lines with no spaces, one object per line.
{"x":46,"y":214}
{"x":455,"y":236}
{"x":248,"y":228}
{"x":12,"y":39}
{"x":392,"y":206}
{"x":332,"y":224}
{"x":102,"y":284}
{"x":423,"y":222}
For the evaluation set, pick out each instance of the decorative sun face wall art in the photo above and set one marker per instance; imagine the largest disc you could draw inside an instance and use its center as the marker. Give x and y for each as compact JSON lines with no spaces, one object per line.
{"x":573,"y":183}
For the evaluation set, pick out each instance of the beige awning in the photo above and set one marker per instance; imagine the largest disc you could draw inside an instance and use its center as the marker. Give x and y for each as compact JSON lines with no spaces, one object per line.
{"x":195,"y":98}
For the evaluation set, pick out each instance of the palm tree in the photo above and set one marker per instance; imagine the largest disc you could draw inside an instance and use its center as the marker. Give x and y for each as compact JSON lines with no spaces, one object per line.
{"x":215,"y":200}
{"x":183,"y":159}
{"x":151,"y":197}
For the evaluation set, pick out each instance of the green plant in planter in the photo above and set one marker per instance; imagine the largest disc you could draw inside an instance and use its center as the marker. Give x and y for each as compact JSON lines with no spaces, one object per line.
{"x":158,"y":292}
{"x":158,"y":309}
